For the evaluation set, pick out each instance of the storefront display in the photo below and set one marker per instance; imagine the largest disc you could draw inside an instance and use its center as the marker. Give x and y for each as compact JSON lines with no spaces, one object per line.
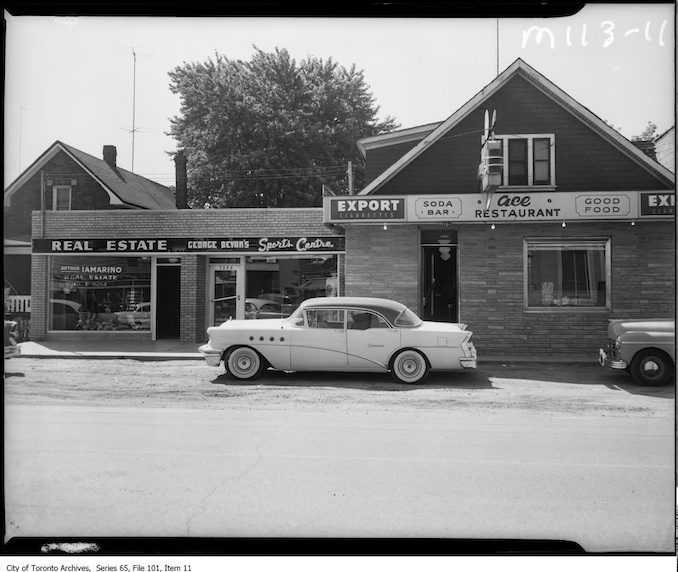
{"x":98,"y":292}
{"x":161,"y":286}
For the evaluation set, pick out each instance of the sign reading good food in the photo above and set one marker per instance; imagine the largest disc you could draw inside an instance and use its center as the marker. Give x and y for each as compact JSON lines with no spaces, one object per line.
{"x":603,"y":205}
{"x":178,"y":245}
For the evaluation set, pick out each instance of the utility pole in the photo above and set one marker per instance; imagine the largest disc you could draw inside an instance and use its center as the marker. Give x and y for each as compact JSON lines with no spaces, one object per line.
{"x":497,"y":47}
{"x":21,"y":131}
{"x":134,"y":103}
{"x":350,"y":177}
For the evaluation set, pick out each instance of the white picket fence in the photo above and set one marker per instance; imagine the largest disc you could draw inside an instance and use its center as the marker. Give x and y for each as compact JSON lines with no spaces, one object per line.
{"x":17,"y":304}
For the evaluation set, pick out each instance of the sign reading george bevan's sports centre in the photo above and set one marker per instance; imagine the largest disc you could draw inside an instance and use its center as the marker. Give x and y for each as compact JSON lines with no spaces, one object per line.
{"x":503,"y":207}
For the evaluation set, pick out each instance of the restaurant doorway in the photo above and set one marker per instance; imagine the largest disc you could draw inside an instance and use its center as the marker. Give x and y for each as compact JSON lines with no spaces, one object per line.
{"x":439,"y":276}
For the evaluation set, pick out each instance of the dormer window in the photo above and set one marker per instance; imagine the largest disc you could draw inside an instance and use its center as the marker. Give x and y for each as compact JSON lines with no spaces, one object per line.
{"x":61,"y":198}
{"x":529,"y":160}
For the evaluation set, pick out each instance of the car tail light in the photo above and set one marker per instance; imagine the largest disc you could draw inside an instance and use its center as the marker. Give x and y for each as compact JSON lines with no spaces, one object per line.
{"x":467,"y":346}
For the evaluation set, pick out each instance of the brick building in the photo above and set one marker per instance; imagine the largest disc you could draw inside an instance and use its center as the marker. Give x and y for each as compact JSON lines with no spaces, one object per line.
{"x":170,"y":274}
{"x":579,"y":228}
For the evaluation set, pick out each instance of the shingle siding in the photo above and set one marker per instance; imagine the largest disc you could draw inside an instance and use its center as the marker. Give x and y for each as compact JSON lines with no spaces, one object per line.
{"x":585,"y":160}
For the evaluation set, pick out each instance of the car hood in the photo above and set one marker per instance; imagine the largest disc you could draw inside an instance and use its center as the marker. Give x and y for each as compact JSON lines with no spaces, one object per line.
{"x":619,"y":327}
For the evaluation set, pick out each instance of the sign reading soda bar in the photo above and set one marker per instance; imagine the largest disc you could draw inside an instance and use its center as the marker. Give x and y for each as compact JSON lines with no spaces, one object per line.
{"x":179,"y":245}
{"x":503,"y":206}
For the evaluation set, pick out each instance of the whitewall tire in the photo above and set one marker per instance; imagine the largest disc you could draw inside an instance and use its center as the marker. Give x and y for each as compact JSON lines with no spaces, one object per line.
{"x":409,"y":366}
{"x":244,"y":363}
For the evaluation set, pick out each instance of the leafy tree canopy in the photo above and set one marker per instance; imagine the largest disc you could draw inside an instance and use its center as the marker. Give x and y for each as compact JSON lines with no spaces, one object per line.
{"x":648,"y":134}
{"x":270,"y":132}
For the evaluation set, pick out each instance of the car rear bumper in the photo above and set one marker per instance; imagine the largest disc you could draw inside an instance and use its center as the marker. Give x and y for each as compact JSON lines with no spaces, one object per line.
{"x":606,"y":361}
{"x":469,"y":363}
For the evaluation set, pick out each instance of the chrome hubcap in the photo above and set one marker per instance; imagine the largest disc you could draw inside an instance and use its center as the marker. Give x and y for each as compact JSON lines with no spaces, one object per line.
{"x":651,"y":368}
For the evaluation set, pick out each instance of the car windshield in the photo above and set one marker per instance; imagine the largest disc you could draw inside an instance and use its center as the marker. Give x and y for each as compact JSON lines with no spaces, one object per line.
{"x":408,"y":319}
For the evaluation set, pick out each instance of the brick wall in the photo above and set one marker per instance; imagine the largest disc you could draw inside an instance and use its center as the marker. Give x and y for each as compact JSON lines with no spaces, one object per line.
{"x":39,"y":296}
{"x":383,"y":263}
{"x":386,"y":263}
{"x":183,"y":223}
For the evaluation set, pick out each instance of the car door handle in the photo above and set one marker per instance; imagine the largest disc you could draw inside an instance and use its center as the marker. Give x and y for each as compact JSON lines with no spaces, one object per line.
{"x":375,"y":345}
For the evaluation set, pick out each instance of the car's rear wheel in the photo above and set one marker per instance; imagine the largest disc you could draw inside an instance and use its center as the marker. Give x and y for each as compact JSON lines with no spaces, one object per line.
{"x":651,"y":367}
{"x":244,"y":363}
{"x":409,"y":366}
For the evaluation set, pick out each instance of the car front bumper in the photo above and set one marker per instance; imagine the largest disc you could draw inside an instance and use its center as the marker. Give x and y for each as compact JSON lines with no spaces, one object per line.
{"x":607,"y":361}
{"x":12,"y":351}
{"x":212,"y":356}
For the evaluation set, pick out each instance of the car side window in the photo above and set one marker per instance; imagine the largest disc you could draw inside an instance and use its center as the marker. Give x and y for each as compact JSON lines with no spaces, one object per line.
{"x":362,"y":320}
{"x":325,"y":318}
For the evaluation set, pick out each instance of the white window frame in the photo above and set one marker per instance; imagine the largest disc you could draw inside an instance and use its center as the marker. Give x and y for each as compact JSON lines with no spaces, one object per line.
{"x":55,"y":193}
{"x":530,"y":160}
{"x":558,"y":242}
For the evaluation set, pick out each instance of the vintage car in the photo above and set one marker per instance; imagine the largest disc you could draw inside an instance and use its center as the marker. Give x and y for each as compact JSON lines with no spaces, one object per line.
{"x":646,"y":349}
{"x":341,"y":334}
{"x":11,"y":334}
{"x":138,"y":319}
{"x":262,"y":308}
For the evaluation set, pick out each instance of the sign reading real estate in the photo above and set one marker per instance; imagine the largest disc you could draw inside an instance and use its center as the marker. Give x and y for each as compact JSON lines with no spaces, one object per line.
{"x":502,"y":207}
{"x":263,"y":244}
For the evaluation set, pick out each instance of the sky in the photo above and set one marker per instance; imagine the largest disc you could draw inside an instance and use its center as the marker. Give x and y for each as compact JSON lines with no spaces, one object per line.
{"x":74,"y":79}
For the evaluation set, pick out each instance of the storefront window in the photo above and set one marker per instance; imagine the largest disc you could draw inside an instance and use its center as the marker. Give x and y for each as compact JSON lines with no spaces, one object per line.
{"x":277,"y":285}
{"x":566,"y":275}
{"x":100,"y":293}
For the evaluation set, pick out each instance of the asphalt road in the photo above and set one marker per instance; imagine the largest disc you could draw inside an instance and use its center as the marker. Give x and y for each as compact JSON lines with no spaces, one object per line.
{"x":112,"y":448}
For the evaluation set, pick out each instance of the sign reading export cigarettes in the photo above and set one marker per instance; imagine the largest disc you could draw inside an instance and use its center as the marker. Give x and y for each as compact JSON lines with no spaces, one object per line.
{"x":503,"y":207}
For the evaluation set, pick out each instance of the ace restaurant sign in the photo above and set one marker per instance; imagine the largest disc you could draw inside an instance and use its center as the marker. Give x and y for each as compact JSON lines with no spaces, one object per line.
{"x":274,"y":244}
{"x":503,"y":207}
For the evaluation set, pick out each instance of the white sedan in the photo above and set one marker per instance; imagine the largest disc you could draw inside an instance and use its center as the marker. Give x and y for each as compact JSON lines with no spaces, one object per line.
{"x":342,"y":334}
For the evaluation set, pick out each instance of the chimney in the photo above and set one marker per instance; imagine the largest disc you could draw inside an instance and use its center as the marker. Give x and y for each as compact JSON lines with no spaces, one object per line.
{"x":110,"y":155}
{"x":181,"y":183}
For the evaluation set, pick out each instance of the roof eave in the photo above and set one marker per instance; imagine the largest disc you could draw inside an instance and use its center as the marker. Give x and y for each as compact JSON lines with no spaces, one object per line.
{"x":40,"y":161}
{"x":549,"y":89}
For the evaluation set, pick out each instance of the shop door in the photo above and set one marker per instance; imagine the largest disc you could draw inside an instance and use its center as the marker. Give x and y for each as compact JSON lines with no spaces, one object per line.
{"x":439,"y":283}
{"x":226,"y":294}
{"x":168,"y":302}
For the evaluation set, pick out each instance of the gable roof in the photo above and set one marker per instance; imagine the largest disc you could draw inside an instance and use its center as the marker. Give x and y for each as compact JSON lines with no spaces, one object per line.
{"x":518,"y":67}
{"x":123,"y":187}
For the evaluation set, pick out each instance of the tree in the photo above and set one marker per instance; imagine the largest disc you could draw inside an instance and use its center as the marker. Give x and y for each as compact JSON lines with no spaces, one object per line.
{"x":270,"y":132}
{"x":648,"y":134}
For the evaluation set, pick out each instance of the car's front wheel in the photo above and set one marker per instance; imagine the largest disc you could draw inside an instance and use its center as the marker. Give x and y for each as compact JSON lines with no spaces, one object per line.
{"x":244,"y":363}
{"x":409,"y":366}
{"x":651,"y":367}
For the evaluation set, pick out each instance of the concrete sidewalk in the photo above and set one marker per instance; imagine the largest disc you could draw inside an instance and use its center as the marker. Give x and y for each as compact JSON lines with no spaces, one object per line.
{"x":176,"y":350}
{"x":112,"y":349}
